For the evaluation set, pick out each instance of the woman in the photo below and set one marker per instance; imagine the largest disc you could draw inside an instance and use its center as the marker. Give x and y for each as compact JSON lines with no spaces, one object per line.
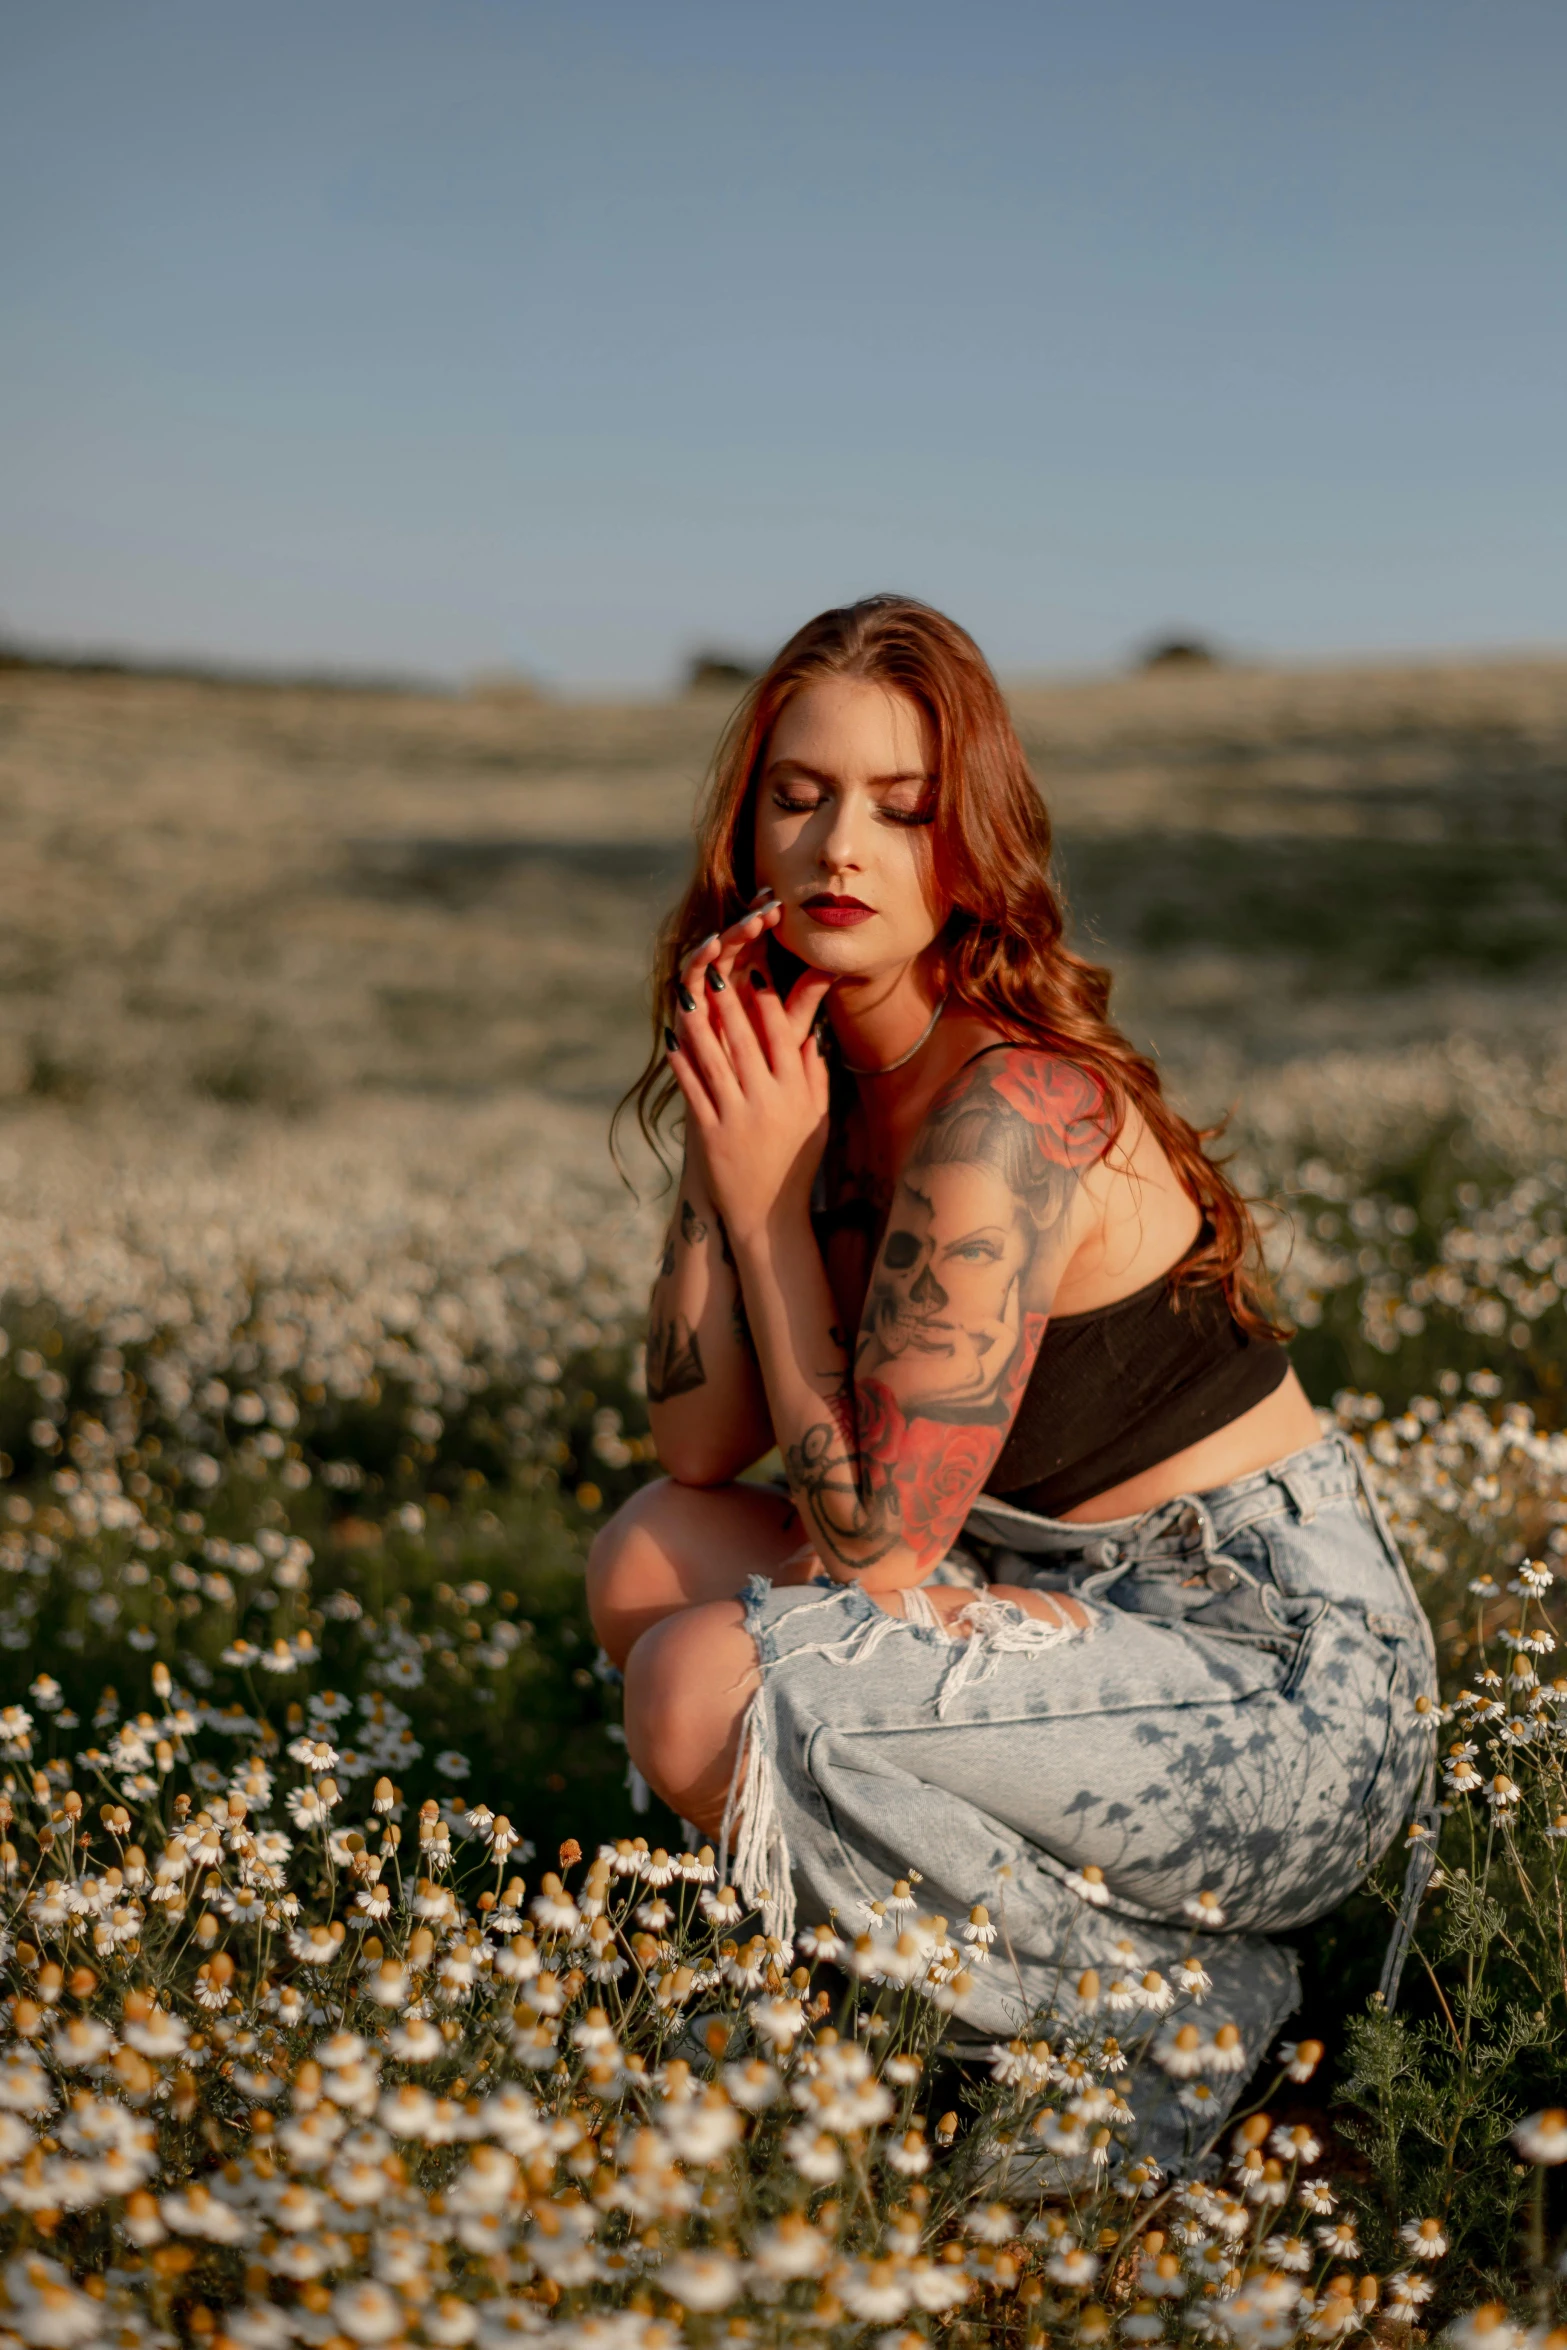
{"x":1067,"y":1579}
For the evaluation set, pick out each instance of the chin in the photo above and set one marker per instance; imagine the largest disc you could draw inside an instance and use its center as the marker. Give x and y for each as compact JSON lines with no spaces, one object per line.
{"x":847,"y":954}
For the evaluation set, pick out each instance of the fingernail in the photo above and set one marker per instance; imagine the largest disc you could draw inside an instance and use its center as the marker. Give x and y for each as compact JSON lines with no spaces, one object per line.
{"x":759,"y":982}
{"x":762,"y":898}
{"x":671,"y":1041}
{"x":703,"y":944}
{"x":687,"y":999}
{"x":714,"y":982}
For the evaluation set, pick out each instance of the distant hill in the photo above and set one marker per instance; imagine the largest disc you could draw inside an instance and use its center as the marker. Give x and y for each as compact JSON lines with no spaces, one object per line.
{"x":195,"y":670}
{"x":277,"y":891}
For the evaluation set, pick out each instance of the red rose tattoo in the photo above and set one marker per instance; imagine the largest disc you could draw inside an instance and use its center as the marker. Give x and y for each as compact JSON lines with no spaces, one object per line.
{"x":941,"y":1470}
{"x":1063,"y":1105}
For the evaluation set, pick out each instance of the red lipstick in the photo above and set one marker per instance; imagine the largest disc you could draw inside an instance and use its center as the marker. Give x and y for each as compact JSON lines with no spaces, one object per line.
{"x":838,"y":913}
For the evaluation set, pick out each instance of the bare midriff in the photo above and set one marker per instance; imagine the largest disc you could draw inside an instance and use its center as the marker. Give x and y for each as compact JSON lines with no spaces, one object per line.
{"x":1284,"y":1422}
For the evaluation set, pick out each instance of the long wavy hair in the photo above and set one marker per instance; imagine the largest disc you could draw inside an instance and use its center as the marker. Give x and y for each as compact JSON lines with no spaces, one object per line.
{"x":1003,"y":945}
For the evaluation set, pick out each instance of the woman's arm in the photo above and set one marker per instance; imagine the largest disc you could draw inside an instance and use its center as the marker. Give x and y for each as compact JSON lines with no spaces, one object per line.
{"x":886,"y":1457}
{"x":885,"y":1462}
{"x":706,"y":1404}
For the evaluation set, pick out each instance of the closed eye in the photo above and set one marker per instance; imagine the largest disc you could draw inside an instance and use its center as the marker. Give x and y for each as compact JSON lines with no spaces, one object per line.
{"x":799,"y":790}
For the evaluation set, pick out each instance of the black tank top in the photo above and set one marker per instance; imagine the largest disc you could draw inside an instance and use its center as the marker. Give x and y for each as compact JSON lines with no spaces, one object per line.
{"x":1116,"y":1390}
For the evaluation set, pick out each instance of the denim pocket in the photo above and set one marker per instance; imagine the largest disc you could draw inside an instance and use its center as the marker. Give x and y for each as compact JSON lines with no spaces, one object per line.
{"x":1228,"y":1596}
{"x":1252,"y":1616}
{"x":1338,"y":1554}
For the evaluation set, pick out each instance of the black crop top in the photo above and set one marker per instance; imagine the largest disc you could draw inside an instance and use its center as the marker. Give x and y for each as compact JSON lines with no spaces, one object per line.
{"x":1126,"y":1385}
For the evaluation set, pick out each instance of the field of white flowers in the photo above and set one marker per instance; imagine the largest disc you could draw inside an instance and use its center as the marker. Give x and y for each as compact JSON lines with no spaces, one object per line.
{"x":348,"y":1997}
{"x":322,"y":2027}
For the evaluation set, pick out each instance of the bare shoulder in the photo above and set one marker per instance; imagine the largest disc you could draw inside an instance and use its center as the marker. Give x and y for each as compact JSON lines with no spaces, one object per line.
{"x":1139,"y":1219}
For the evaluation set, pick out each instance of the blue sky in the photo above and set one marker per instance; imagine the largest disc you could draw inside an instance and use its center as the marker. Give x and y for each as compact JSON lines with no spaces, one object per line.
{"x":473,"y":333}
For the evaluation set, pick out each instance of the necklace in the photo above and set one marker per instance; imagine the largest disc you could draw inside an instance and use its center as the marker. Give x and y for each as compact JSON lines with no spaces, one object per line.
{"x":885,"y":1068}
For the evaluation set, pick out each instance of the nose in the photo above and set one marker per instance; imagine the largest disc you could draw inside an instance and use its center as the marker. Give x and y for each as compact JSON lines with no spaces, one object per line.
{"x":840,"y":849}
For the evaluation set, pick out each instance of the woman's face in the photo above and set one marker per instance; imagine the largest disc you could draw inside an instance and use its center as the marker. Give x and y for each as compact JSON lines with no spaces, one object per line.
{"x":843,"y":813}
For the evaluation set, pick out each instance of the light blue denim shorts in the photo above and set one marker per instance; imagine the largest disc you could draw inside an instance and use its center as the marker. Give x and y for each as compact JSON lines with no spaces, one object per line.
{"x":1240,"y":1717}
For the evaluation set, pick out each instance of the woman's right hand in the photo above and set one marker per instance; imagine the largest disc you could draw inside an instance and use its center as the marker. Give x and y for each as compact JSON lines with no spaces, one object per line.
{"x":753,"y":1080}
{"x":722,"y":954}
{"x":714,"y":963}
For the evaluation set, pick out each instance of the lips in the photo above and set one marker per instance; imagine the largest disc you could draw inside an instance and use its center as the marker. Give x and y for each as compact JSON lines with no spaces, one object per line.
{"x":838,"y":913}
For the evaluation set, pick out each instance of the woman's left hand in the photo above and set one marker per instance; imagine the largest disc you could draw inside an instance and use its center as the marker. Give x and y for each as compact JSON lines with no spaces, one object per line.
{"x":752,"y":1074}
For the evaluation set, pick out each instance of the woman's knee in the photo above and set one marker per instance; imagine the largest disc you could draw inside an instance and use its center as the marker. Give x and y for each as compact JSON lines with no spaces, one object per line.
{"x":689,"y":1679}
{"x":676,"y":1546}
{"x":629,"y":1566}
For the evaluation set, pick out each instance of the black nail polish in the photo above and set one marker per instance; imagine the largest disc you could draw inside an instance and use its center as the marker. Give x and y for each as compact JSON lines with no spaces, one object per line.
{"x":714,"y":982}
{"x":687,"y":999}
{"x":671,"y":1041}
{"x":759,"y":982}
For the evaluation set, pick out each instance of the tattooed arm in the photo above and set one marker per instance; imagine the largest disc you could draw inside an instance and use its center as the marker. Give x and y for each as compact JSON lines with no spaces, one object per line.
{"x":706,"y":1404}
{"x":885,"y":1457}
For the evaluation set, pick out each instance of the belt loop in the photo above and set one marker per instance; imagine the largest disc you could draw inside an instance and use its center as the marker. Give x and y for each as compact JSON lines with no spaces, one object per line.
{"x":1368,"y":1490}
{"x":1301,"y":1500}
{"x":1103,"y":1577}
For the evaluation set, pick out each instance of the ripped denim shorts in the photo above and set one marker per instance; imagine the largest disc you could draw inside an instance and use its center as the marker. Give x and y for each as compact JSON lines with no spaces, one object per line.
{"x":1246,"y":1715}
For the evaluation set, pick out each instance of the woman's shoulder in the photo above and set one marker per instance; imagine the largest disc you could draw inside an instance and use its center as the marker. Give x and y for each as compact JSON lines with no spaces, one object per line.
{"x":1065,"y":1105}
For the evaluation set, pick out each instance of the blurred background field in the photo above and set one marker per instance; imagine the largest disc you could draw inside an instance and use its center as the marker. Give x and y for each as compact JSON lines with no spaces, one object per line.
{"x":270,"y":942}
{"x":285,"y":898}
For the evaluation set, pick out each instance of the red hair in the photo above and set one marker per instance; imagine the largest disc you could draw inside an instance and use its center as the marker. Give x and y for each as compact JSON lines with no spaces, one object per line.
{"x":1003,"y":945}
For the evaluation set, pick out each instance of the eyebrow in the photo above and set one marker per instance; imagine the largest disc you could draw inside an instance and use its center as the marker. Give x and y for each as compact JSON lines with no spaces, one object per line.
{"x":818,"y":775}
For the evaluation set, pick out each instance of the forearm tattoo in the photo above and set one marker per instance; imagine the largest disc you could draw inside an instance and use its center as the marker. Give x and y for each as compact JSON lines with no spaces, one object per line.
{"x":693,"y":1230}
{"x":739,"y":1319}
{"x":674,"y":1358}
{"x":955,"y":1311}
{"x":674,"y":1351}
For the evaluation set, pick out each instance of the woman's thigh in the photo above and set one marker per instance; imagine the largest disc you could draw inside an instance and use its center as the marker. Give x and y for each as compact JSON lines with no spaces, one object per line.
{"x":1172,"y":1762}
{"x":691,"y":1675}
{"x":676,"y":1546}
